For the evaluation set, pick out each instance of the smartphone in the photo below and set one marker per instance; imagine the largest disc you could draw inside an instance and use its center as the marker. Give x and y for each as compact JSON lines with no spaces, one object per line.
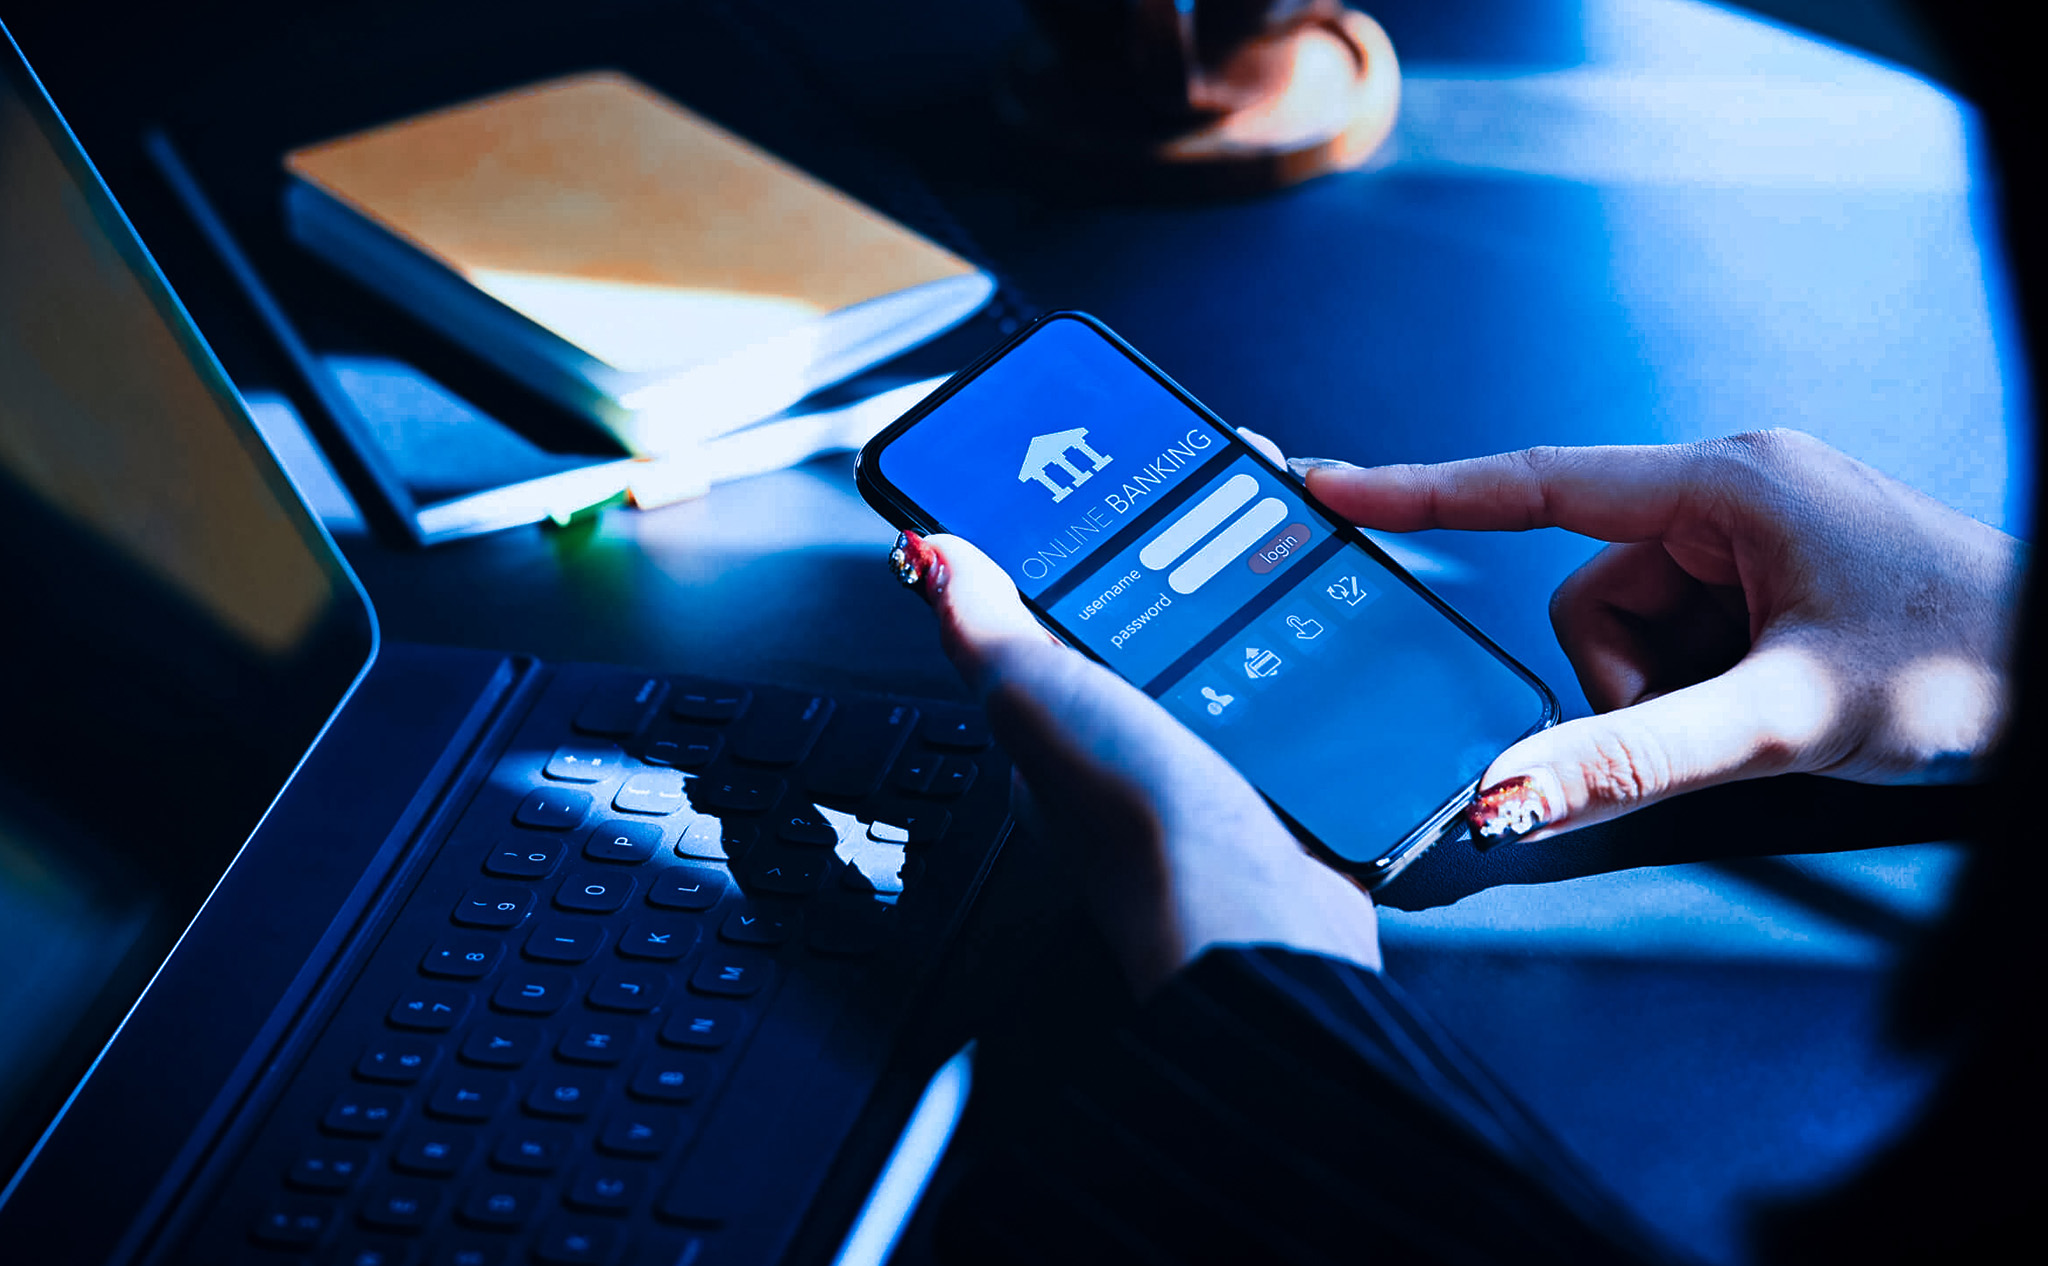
{"x":1141,"y":529}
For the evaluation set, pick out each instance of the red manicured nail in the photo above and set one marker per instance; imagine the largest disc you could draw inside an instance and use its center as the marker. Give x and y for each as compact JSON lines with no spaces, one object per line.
{"x":917,"y":566}
{"x":1507,"y":811}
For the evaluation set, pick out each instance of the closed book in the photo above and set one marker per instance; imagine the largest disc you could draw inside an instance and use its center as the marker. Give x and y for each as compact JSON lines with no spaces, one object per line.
{"x":624,"y":256}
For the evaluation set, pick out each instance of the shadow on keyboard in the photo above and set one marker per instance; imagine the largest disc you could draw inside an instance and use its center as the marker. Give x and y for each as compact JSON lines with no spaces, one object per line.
{"x":630,"y":1006}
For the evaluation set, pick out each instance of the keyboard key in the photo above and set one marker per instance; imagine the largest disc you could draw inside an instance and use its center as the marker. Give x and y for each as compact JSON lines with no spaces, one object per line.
{"x":463,"y":957}
{"x":781,"y":729}
{"x":291,"y":1225}
{"x":502,"y":1206}
{"x":576,"y":1244}
{"x":663,"y":940}
{"x":805,"y":826}
{"x":534,"y":991}
{"x":960,"y":731}
{"x":684,"y":746}
{"x":627,"y":843}
{"x":732,"y":973}
{"x":553,"y":808}
{"x":709,"y":839}
{"x":702,"y":1024}
{"x":604,"y":1042}
{"x":749,"y":924}
{"x":594,"y":893}
{"x":927,"y":827}
{"x":873,"y":867}
{"x":498,"y":1043}
{"x":736,"y":793}
{"x":653,"y":791}
{"x":642,"y":1133}
{"x":915,"y":774}
{"x":493,"y":906}
{"x":858,"y":748}
{"x":621,"y":706}
{"x":631,"y":989}
{"x":434,"y":1150}
{"x":585,"y":762}
{"x":430,"y":1008}
{"x":565,"y":1093}
{"x":399,"y":1061}
{"x":364,"y":1112}
{"x":790,"y":871}
{"x":468,"y":1096}
{"x":605,"y":1188}
{"x":534,"y":857}
{"x":329,"y":1167}
{"x":564,"y":941}
{"x":471,"y":1255}
{"x":955,"y":775}
{"x":533,"y":1148}
{"x":701,"y":699}
{"x":672,"y":1078}
{"x":688,"y":887}
{"x":910,"y":826}
{"x":399,"y":1206}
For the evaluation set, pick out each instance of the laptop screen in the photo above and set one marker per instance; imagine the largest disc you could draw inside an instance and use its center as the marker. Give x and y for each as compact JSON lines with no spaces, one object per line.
{"x":177,"y":629}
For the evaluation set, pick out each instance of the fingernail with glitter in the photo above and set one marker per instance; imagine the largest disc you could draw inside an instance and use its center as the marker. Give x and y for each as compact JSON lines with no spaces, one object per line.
{"x":913,"y":562}
{"x":1302,"y":465}
{"x":1512,"y":809}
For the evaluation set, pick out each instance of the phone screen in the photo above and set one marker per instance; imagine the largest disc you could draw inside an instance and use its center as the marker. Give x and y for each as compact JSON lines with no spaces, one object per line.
{"x":1144,"y":530}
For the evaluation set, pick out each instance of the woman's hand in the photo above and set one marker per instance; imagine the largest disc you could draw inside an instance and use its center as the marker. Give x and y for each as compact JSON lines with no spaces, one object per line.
{"x":1769,"y":606}
{"x":1176,"y":850}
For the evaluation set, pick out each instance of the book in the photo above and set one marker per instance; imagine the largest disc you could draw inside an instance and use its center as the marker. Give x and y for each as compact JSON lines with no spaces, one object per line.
{"x":467,"y":474}
{"x":622,"y":255}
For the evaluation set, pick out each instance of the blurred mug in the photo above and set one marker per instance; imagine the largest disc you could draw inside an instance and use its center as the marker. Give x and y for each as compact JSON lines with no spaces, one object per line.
{"x":1185,"y":61}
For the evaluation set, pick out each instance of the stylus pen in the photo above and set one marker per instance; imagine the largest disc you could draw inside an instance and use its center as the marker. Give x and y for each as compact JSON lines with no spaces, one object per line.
{"x":911,"y":1164}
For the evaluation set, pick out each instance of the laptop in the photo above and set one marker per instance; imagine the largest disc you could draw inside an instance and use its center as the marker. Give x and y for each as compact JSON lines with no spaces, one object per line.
{"x":324,"y":948}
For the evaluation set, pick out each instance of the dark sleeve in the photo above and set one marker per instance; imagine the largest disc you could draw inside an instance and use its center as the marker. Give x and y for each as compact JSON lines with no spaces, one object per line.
{"x":1273,"y":1106}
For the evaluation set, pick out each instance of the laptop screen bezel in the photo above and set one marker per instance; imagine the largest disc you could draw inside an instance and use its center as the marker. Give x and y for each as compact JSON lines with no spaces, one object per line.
{"x":351,"y":618}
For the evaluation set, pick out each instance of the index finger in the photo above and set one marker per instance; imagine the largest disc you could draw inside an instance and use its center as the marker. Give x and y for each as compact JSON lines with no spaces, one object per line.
{"x":1614,"y":492}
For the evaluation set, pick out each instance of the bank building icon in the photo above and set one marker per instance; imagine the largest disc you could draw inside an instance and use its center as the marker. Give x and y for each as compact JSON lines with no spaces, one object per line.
{"x":1048,"y":451}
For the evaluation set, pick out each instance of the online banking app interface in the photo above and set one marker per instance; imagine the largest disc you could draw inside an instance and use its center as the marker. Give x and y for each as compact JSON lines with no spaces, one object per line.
{"x":1194,"y":572}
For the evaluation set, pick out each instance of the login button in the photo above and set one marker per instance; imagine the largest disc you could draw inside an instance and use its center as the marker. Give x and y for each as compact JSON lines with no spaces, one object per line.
{"x":1292,"y":540}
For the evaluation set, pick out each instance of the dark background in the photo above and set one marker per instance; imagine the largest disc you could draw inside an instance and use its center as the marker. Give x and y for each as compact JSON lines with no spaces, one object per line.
{"x":1698,"y":1037}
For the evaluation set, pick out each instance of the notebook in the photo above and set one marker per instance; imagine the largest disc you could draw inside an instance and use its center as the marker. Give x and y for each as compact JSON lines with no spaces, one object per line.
{"x":625,"y":256}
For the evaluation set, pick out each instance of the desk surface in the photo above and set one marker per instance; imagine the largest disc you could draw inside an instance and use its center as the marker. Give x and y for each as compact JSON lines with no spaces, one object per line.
{"x":1630,"y":221}
{"x":1609,"y":221}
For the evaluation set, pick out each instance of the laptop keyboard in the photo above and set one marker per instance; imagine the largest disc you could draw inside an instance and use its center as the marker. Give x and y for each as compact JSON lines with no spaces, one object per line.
{"x":634,"y":1002}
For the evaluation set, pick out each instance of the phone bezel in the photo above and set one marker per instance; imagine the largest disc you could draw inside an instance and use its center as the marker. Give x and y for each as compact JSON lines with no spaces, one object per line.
{"x":906,"y":515}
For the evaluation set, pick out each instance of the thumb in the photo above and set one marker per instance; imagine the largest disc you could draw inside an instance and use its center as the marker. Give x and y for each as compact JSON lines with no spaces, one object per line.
{"x":1767,"y":715}
{"x":980,"y":613}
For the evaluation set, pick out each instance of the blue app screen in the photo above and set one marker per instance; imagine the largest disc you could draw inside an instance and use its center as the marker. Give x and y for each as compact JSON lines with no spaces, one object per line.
{"x":1157,"y":541}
